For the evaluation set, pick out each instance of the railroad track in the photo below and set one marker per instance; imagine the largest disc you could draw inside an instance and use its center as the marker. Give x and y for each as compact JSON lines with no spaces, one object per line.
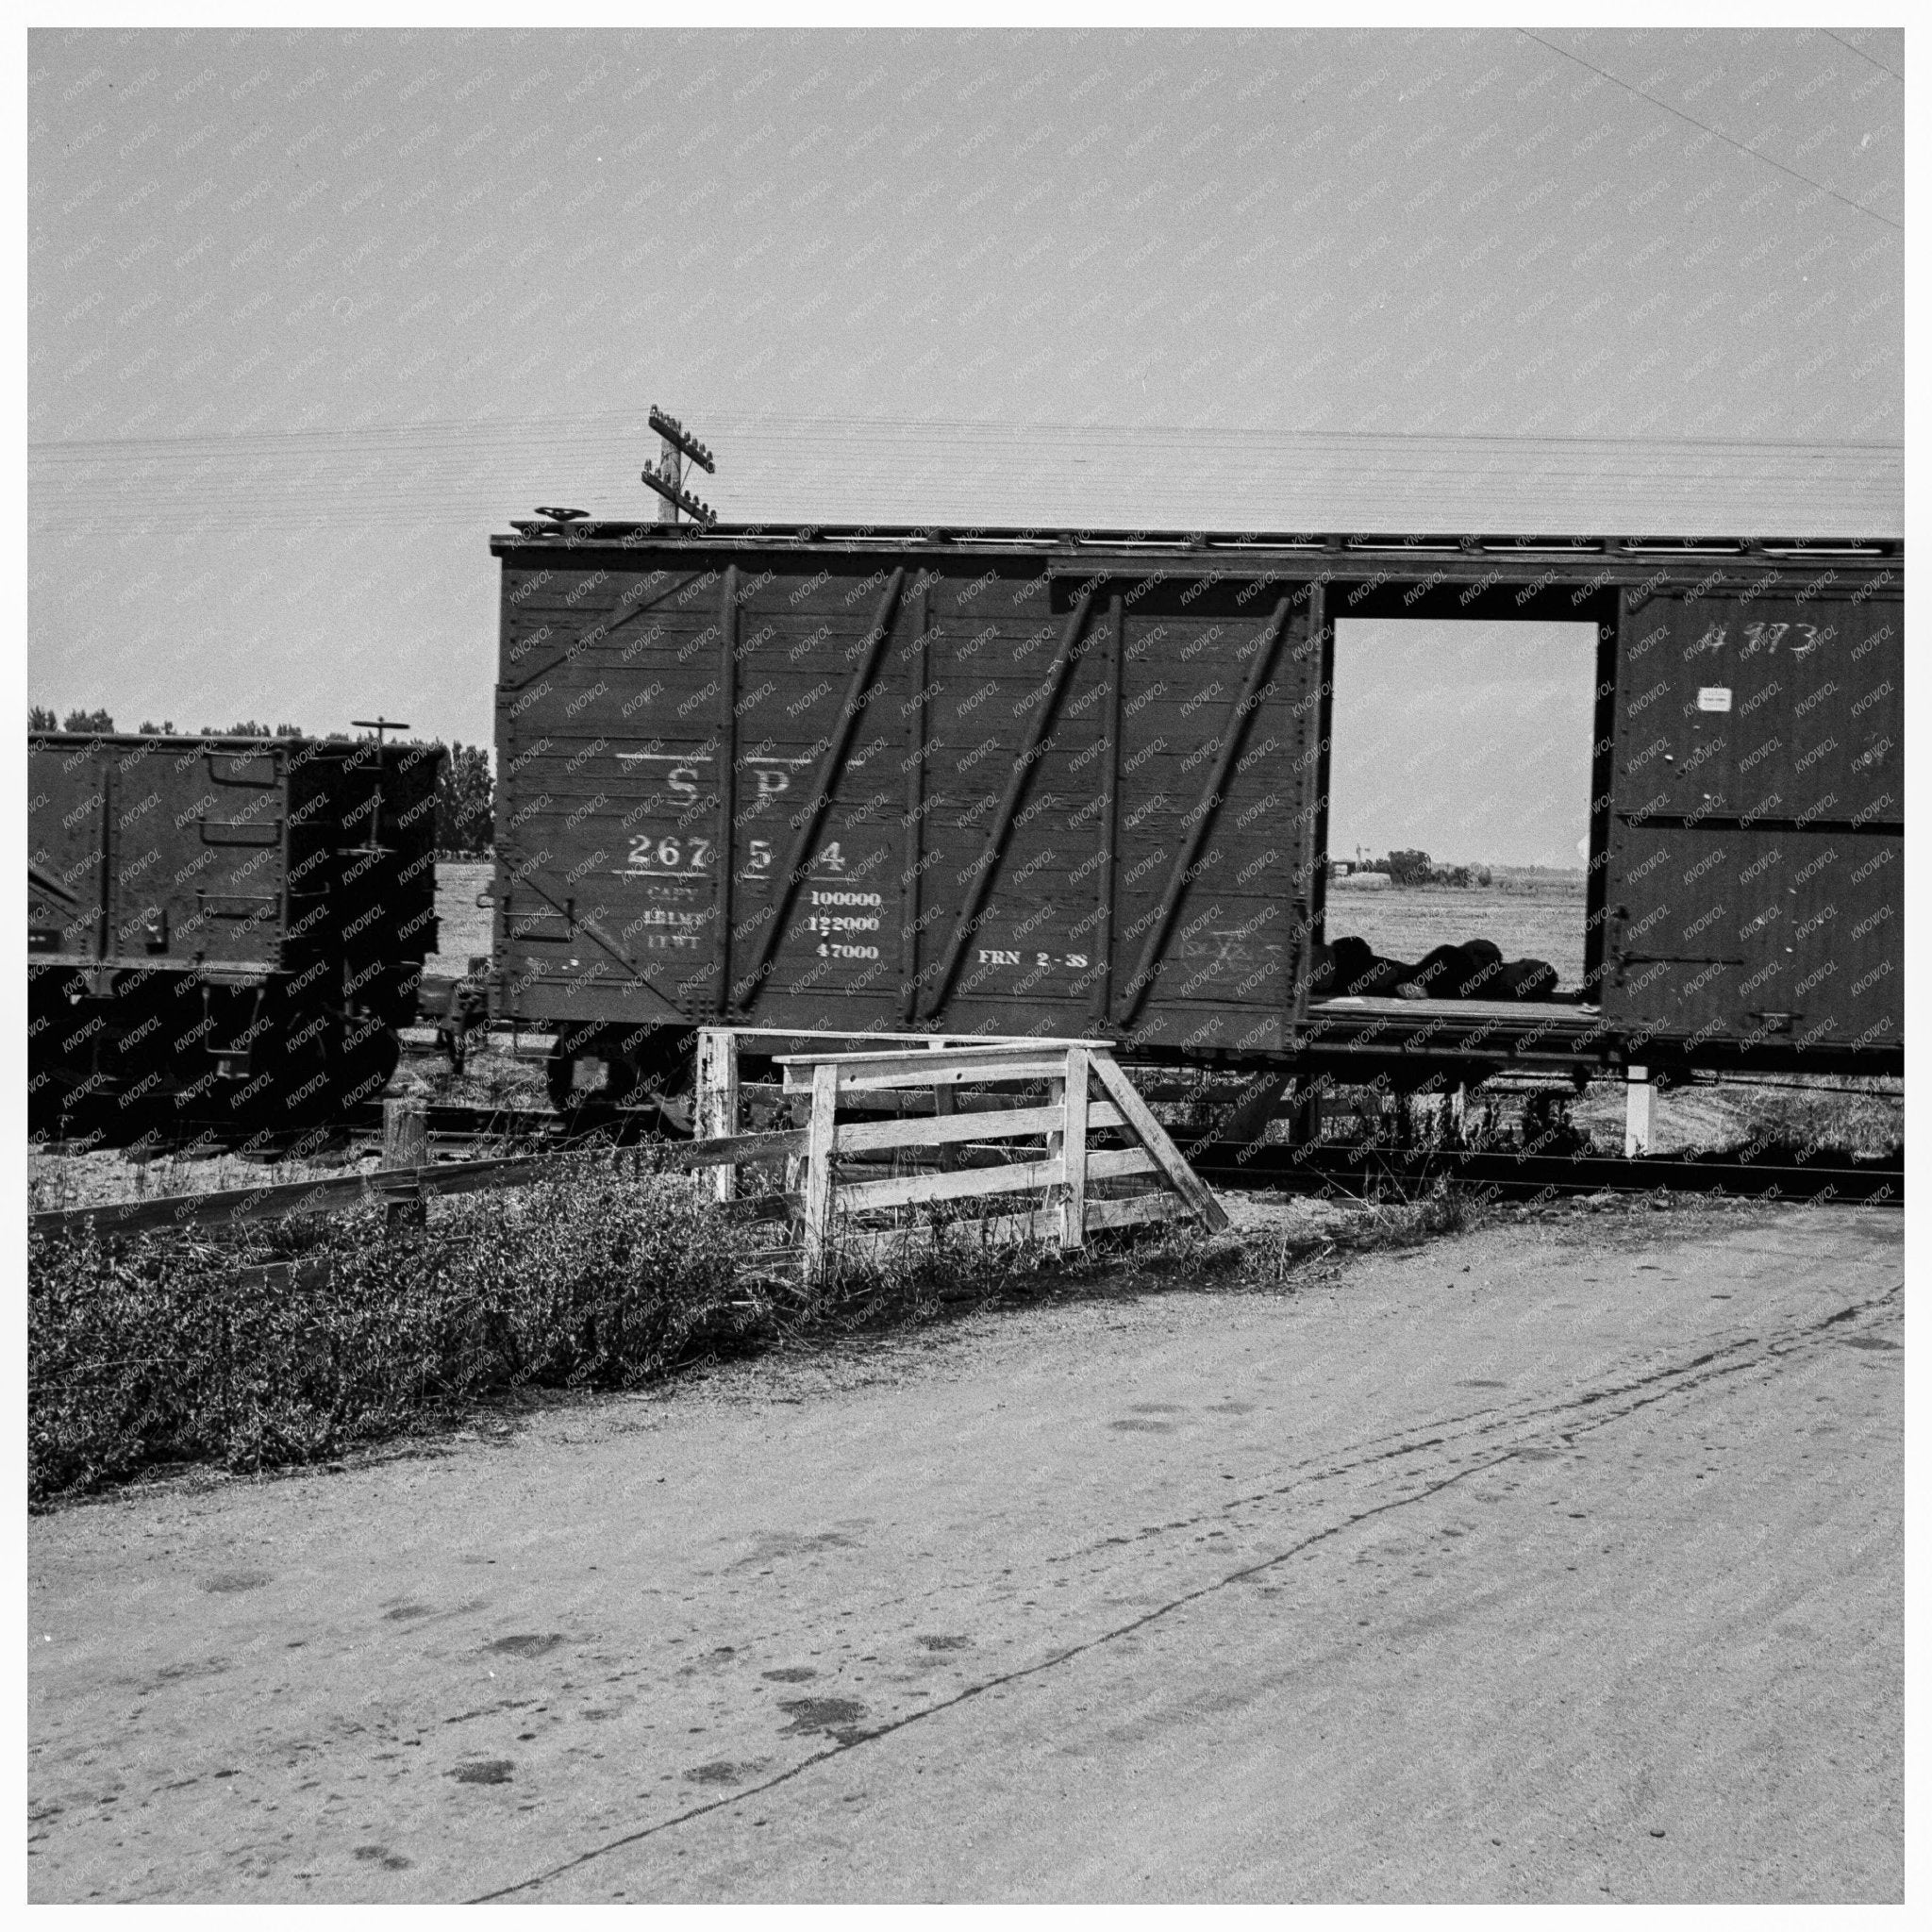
{"x":458,"y":1131}
{"x":1503,"y":1173}
{"x":454,"y":1122}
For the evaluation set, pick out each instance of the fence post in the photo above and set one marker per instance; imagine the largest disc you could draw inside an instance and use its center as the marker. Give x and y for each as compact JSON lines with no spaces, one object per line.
{"x":942,"y":1108}
{"x":1073,"y":1151}
{"x":718,"y":1098}
{"x":820,"y":1151}
{"x":405,"y":1146}
{"x":1636,"y":1112}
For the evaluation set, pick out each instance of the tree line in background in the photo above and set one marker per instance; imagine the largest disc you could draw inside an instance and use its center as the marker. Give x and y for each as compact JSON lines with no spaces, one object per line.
{"x":1411,"y":866}
{"x":465,"y":793}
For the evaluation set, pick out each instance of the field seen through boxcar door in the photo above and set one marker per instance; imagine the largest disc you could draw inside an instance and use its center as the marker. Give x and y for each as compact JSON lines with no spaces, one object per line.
{"x":1526,"y":915}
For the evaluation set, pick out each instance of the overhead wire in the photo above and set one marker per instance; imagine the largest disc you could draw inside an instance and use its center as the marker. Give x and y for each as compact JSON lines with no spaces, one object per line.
{"x":1755,"y":153}
{"x":310,"y":480}
{"x":516,"y":432}
{"x":1852,"y":46}
{"x":256,"y":458}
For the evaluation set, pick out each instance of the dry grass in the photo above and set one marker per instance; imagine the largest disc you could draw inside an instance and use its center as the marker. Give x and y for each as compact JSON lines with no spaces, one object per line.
{"x":60,"y":1178}
{"x":171,"y":1350}
{"x":1835,"y":1114}
{"x":289,"y":1342}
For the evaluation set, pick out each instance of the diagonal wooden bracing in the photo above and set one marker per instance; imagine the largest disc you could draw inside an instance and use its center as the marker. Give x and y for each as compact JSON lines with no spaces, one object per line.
{"x":1065,"y":1066}
{"x":1206,"y":808}
{"x":819,"y":799}
{"x":608,"y":622}
{"x":1028,"y":755}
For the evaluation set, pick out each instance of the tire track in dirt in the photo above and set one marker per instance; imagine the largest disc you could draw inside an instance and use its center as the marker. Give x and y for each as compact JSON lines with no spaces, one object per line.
{"x":1472,"y":1448}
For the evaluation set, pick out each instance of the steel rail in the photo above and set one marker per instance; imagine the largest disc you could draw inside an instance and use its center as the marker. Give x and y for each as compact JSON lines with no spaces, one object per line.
{"x":1508,"y":1174}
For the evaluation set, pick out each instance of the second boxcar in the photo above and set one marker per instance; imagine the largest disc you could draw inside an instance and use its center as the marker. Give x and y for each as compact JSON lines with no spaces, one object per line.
{"x":222,"y":926}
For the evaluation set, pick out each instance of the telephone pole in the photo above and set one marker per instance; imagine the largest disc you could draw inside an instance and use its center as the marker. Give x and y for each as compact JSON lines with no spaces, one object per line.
{"x":667,"y":480}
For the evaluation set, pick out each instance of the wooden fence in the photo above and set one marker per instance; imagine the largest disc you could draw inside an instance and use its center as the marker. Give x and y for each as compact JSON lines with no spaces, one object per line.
{"x":830,"y":1215}
{"x":720,"y":1112}
{"x":831,"y":1211}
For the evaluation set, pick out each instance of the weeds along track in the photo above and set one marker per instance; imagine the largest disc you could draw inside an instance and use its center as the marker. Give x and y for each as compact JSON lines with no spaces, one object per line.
{"x":1771,"y":1172}
{"x":1361,"y":1169}
{"x":1807,"y":1140}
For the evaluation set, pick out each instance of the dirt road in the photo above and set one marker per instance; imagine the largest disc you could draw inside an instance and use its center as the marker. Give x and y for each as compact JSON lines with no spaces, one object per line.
{"x":1559,"y":1561}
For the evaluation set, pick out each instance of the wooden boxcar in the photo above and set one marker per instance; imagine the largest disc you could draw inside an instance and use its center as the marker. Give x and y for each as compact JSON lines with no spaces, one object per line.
{"x":1021,"y":782}
{"x":234,"y":926}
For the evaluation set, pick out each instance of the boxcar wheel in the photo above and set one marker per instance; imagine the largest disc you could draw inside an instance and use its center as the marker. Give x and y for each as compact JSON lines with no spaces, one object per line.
{"x":663,"y":1063}
{"x":368,"y":1051}
{"x":587,"y":1073}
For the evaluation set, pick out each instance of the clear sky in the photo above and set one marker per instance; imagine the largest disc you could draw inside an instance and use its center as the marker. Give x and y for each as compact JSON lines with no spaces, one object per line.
{"x":1470,"y":740}
{"x":311,"y":314}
